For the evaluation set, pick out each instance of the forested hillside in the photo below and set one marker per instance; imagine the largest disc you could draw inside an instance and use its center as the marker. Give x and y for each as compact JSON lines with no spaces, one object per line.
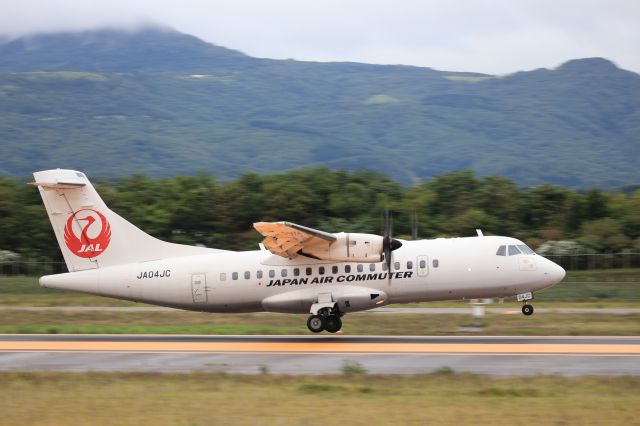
{"x":164,"y":104}
{"x":202,"y":210}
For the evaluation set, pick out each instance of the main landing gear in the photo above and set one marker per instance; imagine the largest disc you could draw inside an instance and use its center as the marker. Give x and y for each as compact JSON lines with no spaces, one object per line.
{"x":325,"y":315}
{"x":527,"y":309}
{"x":324,"y":321}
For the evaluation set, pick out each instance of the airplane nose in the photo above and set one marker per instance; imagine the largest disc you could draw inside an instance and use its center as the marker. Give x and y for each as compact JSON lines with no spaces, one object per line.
{"x":557,"y":272}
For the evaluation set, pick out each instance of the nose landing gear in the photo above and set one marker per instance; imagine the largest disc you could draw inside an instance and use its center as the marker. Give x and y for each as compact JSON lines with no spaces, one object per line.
{"x":527,"y":309}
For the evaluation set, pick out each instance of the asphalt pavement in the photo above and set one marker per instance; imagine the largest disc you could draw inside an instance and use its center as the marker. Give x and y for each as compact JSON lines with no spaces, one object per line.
{"x":322,"y":354}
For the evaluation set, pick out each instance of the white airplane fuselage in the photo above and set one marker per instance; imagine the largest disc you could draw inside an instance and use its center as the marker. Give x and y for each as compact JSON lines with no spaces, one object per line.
{"x":253,"y":281}
{"x":298,"y":270}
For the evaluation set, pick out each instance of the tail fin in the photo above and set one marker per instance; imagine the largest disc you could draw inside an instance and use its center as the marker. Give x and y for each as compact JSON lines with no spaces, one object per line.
{"x":89,"y":234}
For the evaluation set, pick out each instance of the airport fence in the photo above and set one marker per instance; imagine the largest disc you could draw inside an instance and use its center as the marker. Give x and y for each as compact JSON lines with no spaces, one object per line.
{"x":570,"y":262}
{"x":584,"y":261}
{"x":31,"y":268}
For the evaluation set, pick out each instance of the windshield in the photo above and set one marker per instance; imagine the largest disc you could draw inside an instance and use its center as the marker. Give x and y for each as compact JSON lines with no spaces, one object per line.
{"x":513,"y":250}
{"x":525,"y":249}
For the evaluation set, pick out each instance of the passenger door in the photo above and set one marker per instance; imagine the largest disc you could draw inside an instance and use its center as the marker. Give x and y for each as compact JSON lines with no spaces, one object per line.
{"x":199,"y":288}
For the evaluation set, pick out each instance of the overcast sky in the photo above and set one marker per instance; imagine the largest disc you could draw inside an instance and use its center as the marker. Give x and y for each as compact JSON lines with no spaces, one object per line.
{"x":495,"y":37}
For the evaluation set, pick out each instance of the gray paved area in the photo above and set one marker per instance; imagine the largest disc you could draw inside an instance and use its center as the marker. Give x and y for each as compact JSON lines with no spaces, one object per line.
{"x":330,"y":362}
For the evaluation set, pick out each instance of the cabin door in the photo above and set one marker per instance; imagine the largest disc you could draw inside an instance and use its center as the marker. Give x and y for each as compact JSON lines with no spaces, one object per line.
{"x":199,"y":288}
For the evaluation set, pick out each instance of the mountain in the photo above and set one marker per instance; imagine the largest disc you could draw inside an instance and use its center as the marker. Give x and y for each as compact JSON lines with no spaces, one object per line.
{"x":163,"y":103}
{"x":150,"y":49}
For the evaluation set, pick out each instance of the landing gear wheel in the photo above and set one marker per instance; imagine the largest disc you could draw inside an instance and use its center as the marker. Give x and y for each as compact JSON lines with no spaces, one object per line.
{"x":332,"y":323}
{"x":315,"y":323}
{"x":527,"y":310}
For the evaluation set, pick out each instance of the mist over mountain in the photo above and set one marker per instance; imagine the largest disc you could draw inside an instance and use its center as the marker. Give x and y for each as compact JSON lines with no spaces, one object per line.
{"x":159,"y":102}
{"x":150,"y":49}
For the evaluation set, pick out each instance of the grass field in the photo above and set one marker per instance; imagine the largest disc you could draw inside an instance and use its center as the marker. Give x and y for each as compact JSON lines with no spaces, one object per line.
{"x":180,"y":322}
{"x":443,"y":398}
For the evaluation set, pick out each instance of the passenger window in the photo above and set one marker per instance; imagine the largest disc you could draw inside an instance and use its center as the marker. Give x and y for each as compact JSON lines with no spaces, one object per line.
{"x":223,"y":276}
{"x":247,"y":275}
{"x":435,"y":263}
{"x":396,"y":265}
{"x":321,"y":270}
{"x":309,"y":271}
{"x":259,"y":274}
{"x":234,"y":275}
{"x":384,"y":266}
{"x":502,"y":251}
{"x":409,"y":265}
{"x":334,"y":269}
{"x":272,"y":273}
{"x":360,"y":268}
{"x":296,"y":272}
{"x":347,"y":268}
{"x":283,"y":272}
{"x":513,"y":250}
{"x":372,"y":267}
{"x":423,"y":264}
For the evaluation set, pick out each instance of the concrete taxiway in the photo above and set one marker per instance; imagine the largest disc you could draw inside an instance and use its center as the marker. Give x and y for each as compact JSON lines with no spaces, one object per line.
{"x":321,"y":354}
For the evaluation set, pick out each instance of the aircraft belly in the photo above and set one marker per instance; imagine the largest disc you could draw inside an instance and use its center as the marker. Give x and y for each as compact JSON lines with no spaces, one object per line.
{"x":348,"y":298}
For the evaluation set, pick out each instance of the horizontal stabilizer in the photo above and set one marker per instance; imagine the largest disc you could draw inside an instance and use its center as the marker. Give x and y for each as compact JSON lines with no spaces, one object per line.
{"x":63,"y":184}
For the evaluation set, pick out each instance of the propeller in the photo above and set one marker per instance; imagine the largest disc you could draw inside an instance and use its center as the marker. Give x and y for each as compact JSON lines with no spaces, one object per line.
{"x":388,"y":243}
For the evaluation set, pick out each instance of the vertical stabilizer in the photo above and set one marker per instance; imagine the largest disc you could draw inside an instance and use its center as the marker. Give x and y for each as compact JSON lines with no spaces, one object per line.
{"x":89,"y":234}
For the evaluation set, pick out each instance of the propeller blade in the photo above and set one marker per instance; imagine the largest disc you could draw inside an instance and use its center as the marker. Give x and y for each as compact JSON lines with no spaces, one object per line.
{"x":388,"y":242}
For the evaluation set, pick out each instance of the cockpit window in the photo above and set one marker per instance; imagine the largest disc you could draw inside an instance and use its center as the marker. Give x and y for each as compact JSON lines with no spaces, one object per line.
{"x":502,"y":251}
{"x":513,"y":250}
{"x":525,"y":249}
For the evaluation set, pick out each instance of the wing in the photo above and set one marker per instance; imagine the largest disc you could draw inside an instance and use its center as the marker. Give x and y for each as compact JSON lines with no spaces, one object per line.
{"x":288,"y":239}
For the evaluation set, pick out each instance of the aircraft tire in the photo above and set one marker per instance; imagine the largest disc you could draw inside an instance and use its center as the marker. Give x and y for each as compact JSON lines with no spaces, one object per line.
{"x":316,"y":323}
{"x":333,"y":324}
{"x":527,"y":310}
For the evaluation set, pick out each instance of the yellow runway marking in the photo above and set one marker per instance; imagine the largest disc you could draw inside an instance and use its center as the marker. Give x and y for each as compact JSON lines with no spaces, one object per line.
{"x":321,"y":347}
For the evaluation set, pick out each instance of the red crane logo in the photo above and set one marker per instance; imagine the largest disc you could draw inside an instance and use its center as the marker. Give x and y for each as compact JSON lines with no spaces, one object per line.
{"x":93,"y":239}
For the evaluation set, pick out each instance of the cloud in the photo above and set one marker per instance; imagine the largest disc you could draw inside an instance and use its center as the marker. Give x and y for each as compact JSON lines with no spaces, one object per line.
{"x":474,"y":35}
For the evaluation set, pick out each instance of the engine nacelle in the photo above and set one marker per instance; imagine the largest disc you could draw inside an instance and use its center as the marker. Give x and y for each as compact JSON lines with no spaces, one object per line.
{"x":349,"y":247}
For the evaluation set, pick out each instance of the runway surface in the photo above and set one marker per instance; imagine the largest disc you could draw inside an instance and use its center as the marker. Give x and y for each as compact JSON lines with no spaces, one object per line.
{"x":321,"y":354}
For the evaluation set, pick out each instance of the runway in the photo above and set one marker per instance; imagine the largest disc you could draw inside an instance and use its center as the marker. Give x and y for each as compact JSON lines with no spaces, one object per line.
{"x":322,"y":354}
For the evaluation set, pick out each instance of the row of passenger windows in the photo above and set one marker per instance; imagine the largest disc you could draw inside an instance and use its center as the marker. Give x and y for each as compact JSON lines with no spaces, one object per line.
{"x":322,"y":270}
{"x":514,"y":250}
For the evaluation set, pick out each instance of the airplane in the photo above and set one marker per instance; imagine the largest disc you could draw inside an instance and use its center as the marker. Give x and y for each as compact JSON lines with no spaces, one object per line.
{"x":296,"y":270}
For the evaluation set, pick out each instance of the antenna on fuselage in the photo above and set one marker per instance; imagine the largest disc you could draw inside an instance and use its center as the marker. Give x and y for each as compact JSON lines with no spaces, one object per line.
{"x":414,"y":225}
